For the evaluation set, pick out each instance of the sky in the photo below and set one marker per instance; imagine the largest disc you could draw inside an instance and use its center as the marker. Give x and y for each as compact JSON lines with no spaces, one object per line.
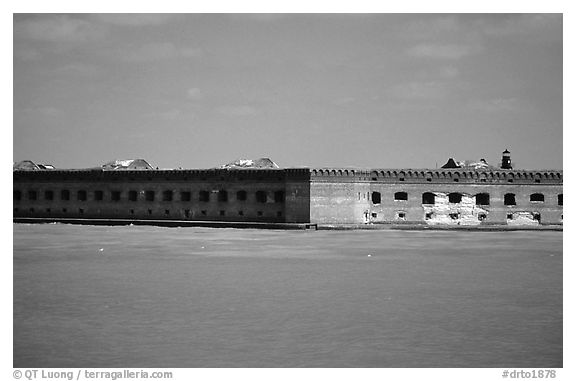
{"x":314,"y":90}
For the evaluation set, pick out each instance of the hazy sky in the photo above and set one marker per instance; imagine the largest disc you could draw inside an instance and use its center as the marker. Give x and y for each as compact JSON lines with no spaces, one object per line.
{"x":364,"y":90}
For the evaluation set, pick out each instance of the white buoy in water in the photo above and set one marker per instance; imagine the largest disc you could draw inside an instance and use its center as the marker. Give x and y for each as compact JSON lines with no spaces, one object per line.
{"x":101,"y":249}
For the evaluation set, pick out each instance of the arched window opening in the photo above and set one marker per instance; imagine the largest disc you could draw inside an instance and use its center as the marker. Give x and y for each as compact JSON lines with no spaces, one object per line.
{"x":560,"y":199}
{"x":401,"y":196}
{"x":454,"y":198}
{"x":428,"y":198}
{"x":536,"y":197}
{"x":482,"y":199}
{"x":376,"y":198}
{"x":241,"y":195}
{"x":509,"y":199}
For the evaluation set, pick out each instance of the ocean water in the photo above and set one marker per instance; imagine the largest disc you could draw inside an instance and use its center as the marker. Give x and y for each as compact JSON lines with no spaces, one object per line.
{"x":137,"y":296}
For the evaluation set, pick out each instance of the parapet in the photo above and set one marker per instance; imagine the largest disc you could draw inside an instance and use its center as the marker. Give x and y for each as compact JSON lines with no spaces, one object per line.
{"x":215,"y":174}
{"x":439,"y":175}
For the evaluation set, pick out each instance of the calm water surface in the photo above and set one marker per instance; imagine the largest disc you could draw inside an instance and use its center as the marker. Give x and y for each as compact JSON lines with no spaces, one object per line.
{"x":91,"y":296}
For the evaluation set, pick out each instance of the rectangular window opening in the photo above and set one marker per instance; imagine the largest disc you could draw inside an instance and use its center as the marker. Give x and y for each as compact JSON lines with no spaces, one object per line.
{"x":167,"y":195}
{"x":204,"y":196}
{"x":222,"y":196}
{"x":82,"y":195}
{"x":185,"y":196}
{"x":149,"y":195}
{"x":279,"y":197}
{"x":261,"y":196}
{"x":115,"y":195}
{"x":133,"y":195}
{"x":241,"y":195}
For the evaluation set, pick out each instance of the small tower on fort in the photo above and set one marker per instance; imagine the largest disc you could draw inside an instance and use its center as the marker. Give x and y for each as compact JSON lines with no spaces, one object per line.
{"x":506,"y":161}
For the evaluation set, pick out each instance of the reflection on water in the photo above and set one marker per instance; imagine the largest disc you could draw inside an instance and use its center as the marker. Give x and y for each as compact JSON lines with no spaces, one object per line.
{"x":194,"y":297}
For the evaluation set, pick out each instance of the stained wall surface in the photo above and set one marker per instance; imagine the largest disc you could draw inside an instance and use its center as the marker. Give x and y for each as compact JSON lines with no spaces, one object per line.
{"x":436,"y":197}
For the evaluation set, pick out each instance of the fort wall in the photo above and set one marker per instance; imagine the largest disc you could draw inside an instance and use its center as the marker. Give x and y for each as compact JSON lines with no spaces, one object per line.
{"x":436,"y":197}
{"x":296,"y":195}
{"x":204,"y":195}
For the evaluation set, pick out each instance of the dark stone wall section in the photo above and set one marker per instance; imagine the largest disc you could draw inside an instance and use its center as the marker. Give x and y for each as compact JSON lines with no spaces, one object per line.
{"x":271,"y":196}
